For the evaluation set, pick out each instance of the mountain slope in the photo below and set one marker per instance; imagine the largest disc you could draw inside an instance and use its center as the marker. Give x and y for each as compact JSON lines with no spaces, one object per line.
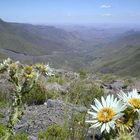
{"x":33,"y":40}
{"x":106,"y":50}
{"x":121,"y":56}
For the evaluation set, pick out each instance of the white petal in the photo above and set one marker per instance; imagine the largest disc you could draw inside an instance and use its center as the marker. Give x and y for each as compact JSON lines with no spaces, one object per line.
{"x":112,"y":124}
{"x":139,"y":112}
{"x":94,"y":108}
{"x":96,"y":125}
{"x":91,"y":121}
{"x":135,"y":93}
{"x":103,"y":127}
{"x":108,"y":100}
{"x":98,"y":104}
{"x":115,"y":101}
{"x":92,"y":113}
{"x":111,"y":100}
{"x":103,"y":101}
{"x":123,"y":107}
{"x":107,"y":127}
{"x":119,"y":106}
{"x":122,"y":95}
{"x":117,"y":116}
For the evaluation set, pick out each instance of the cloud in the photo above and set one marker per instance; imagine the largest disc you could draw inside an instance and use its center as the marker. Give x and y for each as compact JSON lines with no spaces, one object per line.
{"x":106,"y":15}
{"x":105,"y":6}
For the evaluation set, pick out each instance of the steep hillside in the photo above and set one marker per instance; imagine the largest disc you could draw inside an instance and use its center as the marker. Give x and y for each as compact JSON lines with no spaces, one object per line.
{"x":114,"y":49}
{"x":33,"y":40}
{"x":121,"y":56}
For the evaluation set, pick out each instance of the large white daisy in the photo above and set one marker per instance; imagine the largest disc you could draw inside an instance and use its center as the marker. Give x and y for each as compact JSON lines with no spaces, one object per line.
{"x":105,"y":113}
{"x":131,"y":99}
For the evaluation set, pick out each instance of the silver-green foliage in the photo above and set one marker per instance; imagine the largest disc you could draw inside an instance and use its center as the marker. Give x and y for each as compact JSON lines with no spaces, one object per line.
{"x":23,"y":77}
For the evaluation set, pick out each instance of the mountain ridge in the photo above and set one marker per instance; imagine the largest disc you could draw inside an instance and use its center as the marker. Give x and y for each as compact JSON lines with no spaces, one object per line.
{"x":111,"y":50}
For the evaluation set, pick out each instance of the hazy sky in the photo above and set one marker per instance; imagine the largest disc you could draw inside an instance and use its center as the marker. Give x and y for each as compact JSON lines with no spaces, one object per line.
{"x":70,"y":11}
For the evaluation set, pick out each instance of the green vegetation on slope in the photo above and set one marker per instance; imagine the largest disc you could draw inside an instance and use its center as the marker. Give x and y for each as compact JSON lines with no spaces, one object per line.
{"x":120,"y":57}
{"x":88,"y":49}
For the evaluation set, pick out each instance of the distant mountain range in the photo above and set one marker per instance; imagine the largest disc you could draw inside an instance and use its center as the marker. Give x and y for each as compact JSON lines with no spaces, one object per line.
{"x":33,"y":40}
{"x":114,"y":49}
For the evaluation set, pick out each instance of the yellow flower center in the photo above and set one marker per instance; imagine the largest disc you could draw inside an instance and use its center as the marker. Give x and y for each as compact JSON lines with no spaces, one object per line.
{"x":28,"y":69}
{"x":105,"y":115}
{"x":135,"y":102}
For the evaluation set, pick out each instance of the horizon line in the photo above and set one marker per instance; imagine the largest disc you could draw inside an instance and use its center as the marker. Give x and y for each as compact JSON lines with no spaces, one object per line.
{"x":72,"y":23}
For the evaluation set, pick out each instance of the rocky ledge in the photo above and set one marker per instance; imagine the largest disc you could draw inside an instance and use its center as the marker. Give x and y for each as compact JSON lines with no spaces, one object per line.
{"x":38,"y":117}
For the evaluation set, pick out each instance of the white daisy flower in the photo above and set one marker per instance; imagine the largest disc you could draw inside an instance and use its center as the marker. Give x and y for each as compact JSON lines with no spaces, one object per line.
{"x":131,"y":99}
{"x":7,"y":61}
{"x":48,"y":70}
{"x":5,"y":64}
{"x":105,"y":113}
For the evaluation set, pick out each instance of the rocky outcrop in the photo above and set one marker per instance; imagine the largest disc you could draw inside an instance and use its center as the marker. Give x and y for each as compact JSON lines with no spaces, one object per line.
{"x":115,"y":86}
{"x":38,"y":117}
{"x":137,"y":85}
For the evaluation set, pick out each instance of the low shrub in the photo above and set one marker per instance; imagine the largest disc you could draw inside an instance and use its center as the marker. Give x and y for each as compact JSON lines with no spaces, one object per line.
{"x":77,"y":126}
{"x":82,"y":73}
{"x":53,"y":132}
{"x":52,"y":94}
{"x":3,"y":103}
{"x":60,"y":79}
{"x":5,"y":98}
{"x":108,"y":77}
{"x":96,"y":91}
{"x":1,"y":115}
{"x":20,"y":136}
{"x":83,"y":93}
{"x":36,"y":96}
{"x":3,"y":130}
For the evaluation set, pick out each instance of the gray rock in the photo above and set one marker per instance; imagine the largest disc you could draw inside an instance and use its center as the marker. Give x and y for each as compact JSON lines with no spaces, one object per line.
{"x":137,"y":85}
{"x":60,"y":103}
{"x":53,"y":103}
{"x":38,"y":118}
{"x":118,"y":84}
{"x":32,"y":138}
{"x":114,"y":84}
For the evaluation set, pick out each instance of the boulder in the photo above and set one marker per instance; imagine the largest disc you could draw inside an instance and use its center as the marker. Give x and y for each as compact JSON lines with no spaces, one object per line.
{"x":137,"y":85}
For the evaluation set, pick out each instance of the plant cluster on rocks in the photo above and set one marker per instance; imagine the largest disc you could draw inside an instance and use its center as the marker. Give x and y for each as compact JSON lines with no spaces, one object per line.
{"x":56,"y":107}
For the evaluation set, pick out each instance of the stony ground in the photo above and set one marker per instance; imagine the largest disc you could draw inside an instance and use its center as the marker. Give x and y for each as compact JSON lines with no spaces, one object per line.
{"x":39,"y":117}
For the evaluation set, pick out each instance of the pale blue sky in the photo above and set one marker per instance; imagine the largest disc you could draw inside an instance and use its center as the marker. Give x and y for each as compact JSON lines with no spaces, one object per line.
{"x":70,"y":11}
